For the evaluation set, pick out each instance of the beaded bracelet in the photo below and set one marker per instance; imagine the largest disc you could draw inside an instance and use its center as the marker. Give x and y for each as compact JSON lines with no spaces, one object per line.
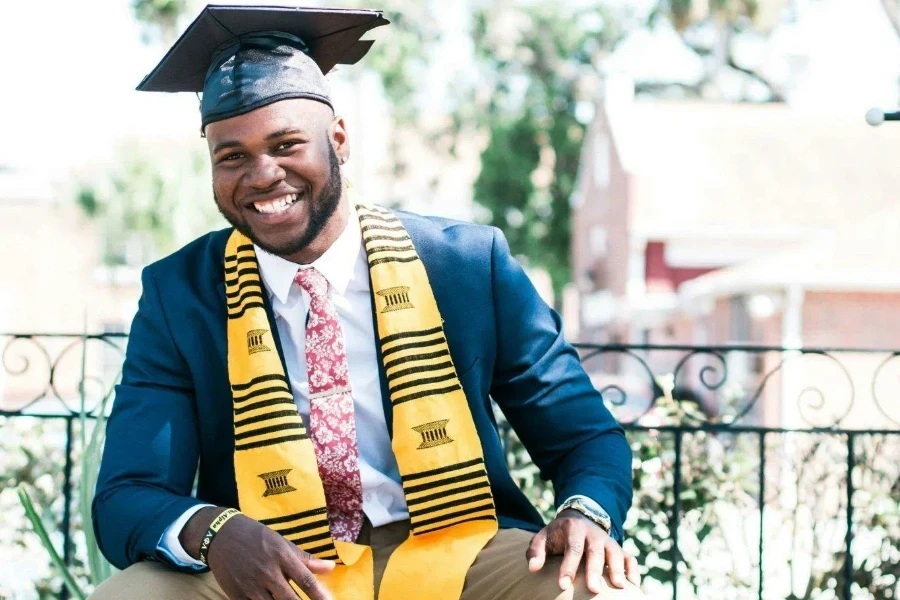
{"x":214,"y":528}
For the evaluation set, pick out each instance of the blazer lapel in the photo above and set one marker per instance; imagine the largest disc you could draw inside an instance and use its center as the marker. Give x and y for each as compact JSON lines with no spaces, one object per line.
{"x":382,"y":376}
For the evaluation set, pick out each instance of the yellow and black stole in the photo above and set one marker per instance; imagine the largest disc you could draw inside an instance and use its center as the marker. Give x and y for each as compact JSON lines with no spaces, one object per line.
{"x":434,"y":439}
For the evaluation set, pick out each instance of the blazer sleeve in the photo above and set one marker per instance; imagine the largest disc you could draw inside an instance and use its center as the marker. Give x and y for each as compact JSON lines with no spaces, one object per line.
{"x":150,"y":459}
{"x":549,"y":400}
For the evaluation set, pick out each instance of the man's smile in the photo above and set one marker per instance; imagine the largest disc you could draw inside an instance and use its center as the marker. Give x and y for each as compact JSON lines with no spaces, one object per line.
{"x":276,"y":205}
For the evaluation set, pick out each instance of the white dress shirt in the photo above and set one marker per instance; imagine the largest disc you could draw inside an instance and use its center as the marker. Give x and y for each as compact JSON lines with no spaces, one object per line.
{"x":345,"y":267}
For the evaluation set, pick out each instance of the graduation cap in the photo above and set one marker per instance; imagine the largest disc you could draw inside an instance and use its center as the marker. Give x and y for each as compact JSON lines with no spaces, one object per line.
{"x":244,"y":57}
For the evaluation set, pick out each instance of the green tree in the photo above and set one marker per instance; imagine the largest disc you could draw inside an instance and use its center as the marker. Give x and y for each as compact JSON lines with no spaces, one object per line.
{"x":151,"y":202}
{"x":540,"y":62}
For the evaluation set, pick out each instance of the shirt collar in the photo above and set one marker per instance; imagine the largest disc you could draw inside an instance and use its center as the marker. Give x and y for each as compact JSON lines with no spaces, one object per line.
{"x":336,"y":264}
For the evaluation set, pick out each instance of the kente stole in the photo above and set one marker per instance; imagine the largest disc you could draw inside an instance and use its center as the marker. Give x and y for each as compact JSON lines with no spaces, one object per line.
{"x":434,"y":438}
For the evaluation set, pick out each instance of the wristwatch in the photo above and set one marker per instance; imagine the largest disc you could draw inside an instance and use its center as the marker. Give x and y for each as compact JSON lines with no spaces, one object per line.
{"x":594,"y":513}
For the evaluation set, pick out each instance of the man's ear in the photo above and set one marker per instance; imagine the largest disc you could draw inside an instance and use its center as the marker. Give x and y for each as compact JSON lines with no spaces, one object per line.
{"x":339,"y":139}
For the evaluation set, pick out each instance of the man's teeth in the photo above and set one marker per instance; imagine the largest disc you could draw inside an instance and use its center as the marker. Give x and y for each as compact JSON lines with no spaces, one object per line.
{"x":277,"y":205}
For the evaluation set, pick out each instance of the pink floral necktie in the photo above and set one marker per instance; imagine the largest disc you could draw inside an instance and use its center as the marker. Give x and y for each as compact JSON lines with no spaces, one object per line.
{"x":332,"y":426}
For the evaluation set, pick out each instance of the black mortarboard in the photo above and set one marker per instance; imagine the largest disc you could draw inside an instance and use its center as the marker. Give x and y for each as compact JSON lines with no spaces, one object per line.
{"x":245,"y":57}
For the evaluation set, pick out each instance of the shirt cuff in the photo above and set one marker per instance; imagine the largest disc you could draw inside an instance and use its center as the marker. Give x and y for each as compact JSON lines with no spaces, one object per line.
{"x":170,"y":546}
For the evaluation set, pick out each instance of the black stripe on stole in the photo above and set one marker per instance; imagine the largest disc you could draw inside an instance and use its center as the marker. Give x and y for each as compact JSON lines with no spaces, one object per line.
{"x":260,"y":392}
{"x":231,"y":278}
{"x":442,"y":470}
{"x":318,"y":537}
{"x":415,"y":515}
{"x":398,"y":249}
{"x":235,"y":261}
{"x":294,"y":517}
{"x":272,"y":442}
{"x":240,"y":387}
{"x":419,"y":369}
{"x":405,"y":359}
{"x":246,"y":307}
{"x":422,"y":381}
{"x":381,"y":261}
{"x":318,"y":550}
{"x":383,"y":217}
{"x":264,"y":417}
{"x":264,"y":404}
{"x":446,"y":481}
{"x":445,"y":493}
{"x":243,"y":286}
{"x":409,"y":345}
{"x":270,"y":429}
{"x":232,"y":259}
{"x":317,"y":524}
{"x":376,"y":228}
{"x":254,"y":292}
{"x":460,"y":513}
{"x":408,"y":334}
{"x":446,"y":525}
{"x":387,"y":238}
{"x":426,"y":393}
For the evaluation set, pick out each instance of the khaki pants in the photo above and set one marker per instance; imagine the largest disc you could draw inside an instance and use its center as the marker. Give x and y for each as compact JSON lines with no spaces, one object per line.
{"x":499,"y":573}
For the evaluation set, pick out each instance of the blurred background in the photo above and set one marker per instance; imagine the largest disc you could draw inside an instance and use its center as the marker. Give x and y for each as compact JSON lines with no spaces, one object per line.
{"x":691,"y":183}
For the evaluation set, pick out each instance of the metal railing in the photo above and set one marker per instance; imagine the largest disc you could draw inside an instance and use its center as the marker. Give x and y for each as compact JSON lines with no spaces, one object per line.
{"x":760,"y":472}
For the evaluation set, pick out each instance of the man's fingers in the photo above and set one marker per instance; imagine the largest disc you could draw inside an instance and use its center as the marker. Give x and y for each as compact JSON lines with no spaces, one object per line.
{"x":631,"y":570}
{"x":615,"y":564}
{"x":319,"y":566}
{"x":594,"y":561}
{"x":297,"y":571}
{"x":572,"y":558}
{"x":537,"y":551}
{"x":282,"y":590}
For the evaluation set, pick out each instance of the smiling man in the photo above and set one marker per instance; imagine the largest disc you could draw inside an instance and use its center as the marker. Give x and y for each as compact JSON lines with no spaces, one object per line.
{"x":324,"y":371}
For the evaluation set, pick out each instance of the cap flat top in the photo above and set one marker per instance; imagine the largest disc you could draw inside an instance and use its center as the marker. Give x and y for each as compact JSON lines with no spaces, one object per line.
{"x":333,"y":36}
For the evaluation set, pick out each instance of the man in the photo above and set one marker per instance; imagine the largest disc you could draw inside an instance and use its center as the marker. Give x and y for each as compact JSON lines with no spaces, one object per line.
{"x":330,"y":367}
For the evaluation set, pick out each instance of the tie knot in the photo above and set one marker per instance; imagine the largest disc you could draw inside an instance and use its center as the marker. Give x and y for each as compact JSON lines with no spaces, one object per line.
{"x":313,"y":282}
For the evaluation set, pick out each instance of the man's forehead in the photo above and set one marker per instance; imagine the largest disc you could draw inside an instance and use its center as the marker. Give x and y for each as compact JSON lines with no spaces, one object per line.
{"x":294,"y":115}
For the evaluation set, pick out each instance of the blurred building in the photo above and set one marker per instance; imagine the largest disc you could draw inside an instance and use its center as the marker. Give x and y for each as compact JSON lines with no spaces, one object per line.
{"x":673,"y":194}
{"x":53,"y":280}
{"x":705,"y":223}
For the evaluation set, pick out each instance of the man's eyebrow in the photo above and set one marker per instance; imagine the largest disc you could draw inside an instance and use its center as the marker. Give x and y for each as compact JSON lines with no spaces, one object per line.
{"x":285,"y":131}
{"x":227,"y":144}
{"x":277,"y":134}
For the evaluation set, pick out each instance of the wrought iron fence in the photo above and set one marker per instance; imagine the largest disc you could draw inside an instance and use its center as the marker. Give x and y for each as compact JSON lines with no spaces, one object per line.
{"x":760,"y":472}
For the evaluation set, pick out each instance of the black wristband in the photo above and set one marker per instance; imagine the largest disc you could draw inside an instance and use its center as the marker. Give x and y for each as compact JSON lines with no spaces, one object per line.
{"x":214,"y":528}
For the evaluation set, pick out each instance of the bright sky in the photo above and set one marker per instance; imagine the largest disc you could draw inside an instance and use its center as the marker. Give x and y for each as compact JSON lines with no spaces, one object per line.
{"x":67,"y":95}
{"x":74,"y":84}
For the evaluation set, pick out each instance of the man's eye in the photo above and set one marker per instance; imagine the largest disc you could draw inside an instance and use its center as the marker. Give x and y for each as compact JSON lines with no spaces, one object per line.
{"x":231,"y":157}
{"x":288,"y":144}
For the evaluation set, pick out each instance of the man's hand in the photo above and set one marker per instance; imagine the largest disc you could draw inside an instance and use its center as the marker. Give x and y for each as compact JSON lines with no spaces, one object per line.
{"x":249,"y":560}
{"x":575,"y":536}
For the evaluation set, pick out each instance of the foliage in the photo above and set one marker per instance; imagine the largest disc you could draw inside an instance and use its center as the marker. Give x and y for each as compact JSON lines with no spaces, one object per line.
{"x":539,"y":63}
{"x":41,"y":531}
{"x":719,"y":519}
{"x":161,"y":17}
{"x":89,"y":568}
{"x":150,"y":203}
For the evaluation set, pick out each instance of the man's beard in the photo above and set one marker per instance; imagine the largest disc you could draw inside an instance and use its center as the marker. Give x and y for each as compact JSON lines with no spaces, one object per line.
{"x":321,"y":209}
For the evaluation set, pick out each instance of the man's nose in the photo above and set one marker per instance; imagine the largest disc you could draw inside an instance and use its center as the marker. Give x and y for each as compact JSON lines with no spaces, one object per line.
{"x":265,"y":173}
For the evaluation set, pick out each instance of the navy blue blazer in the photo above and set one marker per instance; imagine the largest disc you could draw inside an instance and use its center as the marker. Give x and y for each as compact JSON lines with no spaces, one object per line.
{"x":173,"y":409}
